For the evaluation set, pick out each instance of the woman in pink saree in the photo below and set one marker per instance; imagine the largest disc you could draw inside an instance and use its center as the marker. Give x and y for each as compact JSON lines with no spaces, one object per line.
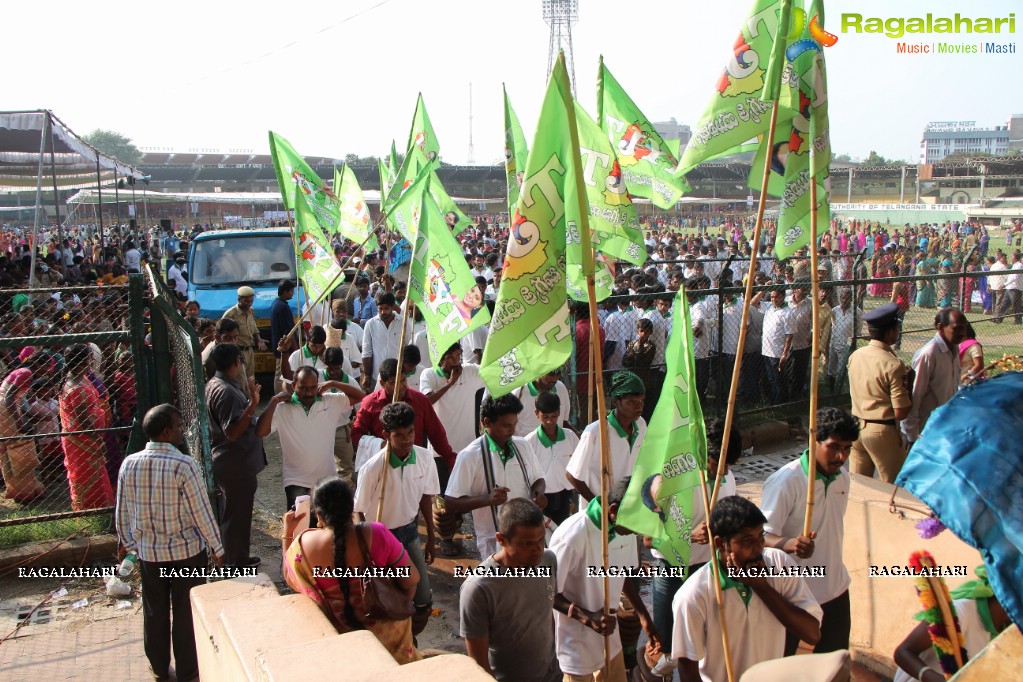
{"x":85,"y":454}
{"x":18,"y":458}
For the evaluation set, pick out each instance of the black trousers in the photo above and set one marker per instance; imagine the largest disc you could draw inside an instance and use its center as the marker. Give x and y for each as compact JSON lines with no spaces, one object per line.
{"x":835,"y":626}
{"x":160,"y":597}
{"x":558,"y":506}
{"x":235,"y":497}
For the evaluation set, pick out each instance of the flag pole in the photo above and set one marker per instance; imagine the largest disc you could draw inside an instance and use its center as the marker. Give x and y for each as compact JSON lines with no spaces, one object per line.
{"x":740,"y":349}
{"x":716,"y":568}
{"x":811,"y":469}
{"x":591,"y":294}
{"x":398,"y":378}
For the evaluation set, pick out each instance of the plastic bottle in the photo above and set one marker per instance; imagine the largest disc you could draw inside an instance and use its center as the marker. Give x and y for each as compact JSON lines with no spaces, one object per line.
{"x":131,"y":559}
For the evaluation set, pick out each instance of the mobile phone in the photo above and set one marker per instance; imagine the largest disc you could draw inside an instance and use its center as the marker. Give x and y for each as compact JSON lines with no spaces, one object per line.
{"x":302,"y":506}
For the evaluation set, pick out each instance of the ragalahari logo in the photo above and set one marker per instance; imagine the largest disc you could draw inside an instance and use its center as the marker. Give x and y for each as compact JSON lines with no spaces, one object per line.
{"x":804,"y":37}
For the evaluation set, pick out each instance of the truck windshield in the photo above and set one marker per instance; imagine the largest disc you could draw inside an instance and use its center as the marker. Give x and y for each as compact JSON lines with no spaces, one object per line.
{"x":241,"y":259}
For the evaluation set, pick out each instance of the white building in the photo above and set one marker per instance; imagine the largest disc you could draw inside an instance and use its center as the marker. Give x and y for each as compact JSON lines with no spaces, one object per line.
{"x":944,"y":138}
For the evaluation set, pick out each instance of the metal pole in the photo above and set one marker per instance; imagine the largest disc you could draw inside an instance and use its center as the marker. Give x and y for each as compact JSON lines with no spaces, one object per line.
{"x":99,"y":189}
{"x":33,"y":244}
{"x":848,"y":197}
{"x":902,"y":187}
{"x":56,"y":196}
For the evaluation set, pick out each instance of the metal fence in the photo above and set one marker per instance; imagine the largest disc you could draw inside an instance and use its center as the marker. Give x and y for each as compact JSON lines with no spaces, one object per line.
{"x":768,"y":388}
{"x":78,"y":372}
{"x":67,"y":405}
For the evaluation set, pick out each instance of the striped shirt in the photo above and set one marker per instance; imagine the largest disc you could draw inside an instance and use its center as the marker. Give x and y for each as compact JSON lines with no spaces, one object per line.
{"x":163,"y":512}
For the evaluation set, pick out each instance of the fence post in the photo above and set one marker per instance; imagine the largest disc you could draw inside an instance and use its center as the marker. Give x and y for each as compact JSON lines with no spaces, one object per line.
{"x":161,"y":357}
{"x":140,"y":365}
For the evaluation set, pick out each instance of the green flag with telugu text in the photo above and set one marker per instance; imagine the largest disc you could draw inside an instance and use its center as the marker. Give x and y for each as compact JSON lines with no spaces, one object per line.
{"x":659,"y":501}
{"x":647,"y":163}
{"x":441,"y":286}
{"x":530,"y":332}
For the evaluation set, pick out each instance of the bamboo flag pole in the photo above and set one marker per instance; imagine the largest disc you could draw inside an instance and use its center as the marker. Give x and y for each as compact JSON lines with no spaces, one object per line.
{"x":398,"y":378}
{"x":741,"y":348}
{"x":716,"y":569}
{"x":597,"y":373}
{"x":811,"y":465}
{"x":589,"y":382}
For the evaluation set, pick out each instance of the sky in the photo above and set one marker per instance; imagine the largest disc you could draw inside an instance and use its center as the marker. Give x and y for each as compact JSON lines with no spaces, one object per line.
{"x":342,"y":77}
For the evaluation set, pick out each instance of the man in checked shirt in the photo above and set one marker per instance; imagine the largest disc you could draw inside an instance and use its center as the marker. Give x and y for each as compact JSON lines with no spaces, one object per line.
{"x":164,"y":515}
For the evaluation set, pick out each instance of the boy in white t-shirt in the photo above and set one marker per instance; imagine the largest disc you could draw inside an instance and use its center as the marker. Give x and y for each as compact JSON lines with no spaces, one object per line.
{"x":553,"y":446}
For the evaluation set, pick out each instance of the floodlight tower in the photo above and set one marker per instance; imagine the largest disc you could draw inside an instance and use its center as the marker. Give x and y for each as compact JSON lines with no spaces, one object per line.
{"x":560,"y":15}
{"x":471,"y":160}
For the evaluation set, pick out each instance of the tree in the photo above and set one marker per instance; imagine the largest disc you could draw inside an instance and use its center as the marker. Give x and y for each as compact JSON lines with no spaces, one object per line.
{"x":844,"y":158}
{"x":875,"y":159}
{"x":115,"y":145}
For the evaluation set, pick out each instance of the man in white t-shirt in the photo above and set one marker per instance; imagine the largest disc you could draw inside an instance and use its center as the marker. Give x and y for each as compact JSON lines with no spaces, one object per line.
{"x":382,"y":337}
{"x":548,"y":383}
{"x":553,"y":446}
{"x":625,"y":429}
{"x":620,"y":329}
{"x":758,"y":610}
{"x":578,"y":621}
{"x":411,"y":484}
{"x":493,"y":468}
{"x":784,"y":506}
{"x":451,"y":388}
{"x":306,"y":420}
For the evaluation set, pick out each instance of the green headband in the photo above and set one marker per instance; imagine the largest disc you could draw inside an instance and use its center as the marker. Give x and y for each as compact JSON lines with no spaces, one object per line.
{"x":626,"y":383}
{"x":974,"y":589}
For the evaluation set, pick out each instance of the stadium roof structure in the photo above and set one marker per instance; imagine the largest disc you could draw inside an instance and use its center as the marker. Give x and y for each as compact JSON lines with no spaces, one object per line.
{"x":36,"y":148}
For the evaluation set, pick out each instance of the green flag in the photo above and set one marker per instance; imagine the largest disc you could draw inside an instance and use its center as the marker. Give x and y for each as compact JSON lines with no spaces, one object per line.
{"x":422,"y":134}
{"x":659,"y":502}
{"x":647,"y":162}
{"x":530,"y":332}
{"x":736,"y":114}
{"x":317,"y":267}
{"x":354,"y":220}
{"x":295,"y":176}
{"x":455,"y":219}
{"x":802,"y":148}
{"x":515,"y":151}
{"x":415,"y":161}
{"x":404,"y":214}
{"x":392,"y":162}
{"x":440,"y":284}
{"x":385,"y":182}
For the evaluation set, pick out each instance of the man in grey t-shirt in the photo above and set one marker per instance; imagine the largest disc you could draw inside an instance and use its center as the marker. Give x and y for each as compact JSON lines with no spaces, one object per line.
{"x":505,"y":605}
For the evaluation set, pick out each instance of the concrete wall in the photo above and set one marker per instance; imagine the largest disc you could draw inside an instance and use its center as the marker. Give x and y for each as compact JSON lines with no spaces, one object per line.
{"x":245,"y":630}
{"x":883,"y":607}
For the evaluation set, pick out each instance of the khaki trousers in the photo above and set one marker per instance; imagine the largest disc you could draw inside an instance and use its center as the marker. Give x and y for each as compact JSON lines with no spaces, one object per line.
{"x":344,"y":453}
{"x":617,"y":673}
{"x":880,"y":446}
{"x":249,"y":359}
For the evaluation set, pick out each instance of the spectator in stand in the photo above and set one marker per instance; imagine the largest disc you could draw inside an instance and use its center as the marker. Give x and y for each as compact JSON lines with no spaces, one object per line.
{"x":777,"y":343}
{"x":619,"y":329}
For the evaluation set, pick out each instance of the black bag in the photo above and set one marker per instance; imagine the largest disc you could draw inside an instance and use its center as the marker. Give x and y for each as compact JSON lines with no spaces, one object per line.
{"x":382,"y":598}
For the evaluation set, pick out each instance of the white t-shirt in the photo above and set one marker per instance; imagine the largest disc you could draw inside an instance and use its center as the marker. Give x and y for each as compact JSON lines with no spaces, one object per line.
{"x":554,"y":457}
{"x":303,"y":358}
{"x":619,"y":327}
{"x":380,"y":341}
{"x":467,"y":480}
{"x":754,"y":634}
{"x":577,"y":544}
{"x":704,"y":319}
{"x":457,"y":407}
{"x":307,"y":439}
{"x":777,"y":325}
{"x":405,"y":487}
{"x":784,"y":505}
{"x":585,"y":463}
{"x":699,"y":554}
{"x":662,"y":328}
{"x":349,"y":380}
{"x":528,"y":421}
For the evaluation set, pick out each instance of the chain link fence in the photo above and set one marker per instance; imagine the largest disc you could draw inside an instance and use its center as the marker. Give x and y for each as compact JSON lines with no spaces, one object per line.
{"x":68,"y":403}
{"x":774,"y":382}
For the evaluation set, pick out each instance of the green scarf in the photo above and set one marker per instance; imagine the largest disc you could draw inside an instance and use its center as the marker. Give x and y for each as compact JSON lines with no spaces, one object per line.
{"x":296,"y":401}
{"x":631,"y":438}
{"x":594,"y":512}
{"x":828,"y":479}
{"x":980,"y":591}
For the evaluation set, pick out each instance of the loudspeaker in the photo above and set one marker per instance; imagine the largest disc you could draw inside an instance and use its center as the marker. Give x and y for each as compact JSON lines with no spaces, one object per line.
{"x":166,"y":226}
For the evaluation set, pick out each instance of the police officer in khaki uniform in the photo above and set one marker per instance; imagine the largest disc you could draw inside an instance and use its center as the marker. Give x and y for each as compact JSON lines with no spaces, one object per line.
{"x":880,"y":387}
{"x":248,"y":333}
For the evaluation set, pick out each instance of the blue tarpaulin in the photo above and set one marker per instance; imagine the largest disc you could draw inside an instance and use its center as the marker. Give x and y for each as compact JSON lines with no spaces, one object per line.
{"x":968,"y":468}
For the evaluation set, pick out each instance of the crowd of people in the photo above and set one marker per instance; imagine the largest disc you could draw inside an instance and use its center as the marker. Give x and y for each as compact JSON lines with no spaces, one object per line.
{"x":370,"y":429}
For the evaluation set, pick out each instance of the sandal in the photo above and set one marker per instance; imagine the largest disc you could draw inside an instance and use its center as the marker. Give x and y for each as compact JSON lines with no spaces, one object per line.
{"x":449,"y":548}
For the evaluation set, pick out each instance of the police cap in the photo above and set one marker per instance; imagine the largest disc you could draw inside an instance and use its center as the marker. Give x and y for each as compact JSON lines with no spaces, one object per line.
{"x":883,"y":316}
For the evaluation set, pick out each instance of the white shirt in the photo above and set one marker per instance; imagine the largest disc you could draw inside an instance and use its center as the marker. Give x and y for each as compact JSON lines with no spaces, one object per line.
{"x":777,"y":325}
{"x":554,"y":458}
{"x":528,"y":421}
{"x":660,"y":336}
{"x":802,"y":324}
{"x":456,"y":407}
{"x":307,"y":439}
{"x":706,"y":321}
{"x":320,"y":315}
{"x":754,"y":634}
{"x":619,"y":327}
{"x":355,"y":331}
{"x":467,"y":480}
{"x":423,"y":344}
{"x":302,"y":358}
{"x":132,"y":259}
{"x":176,"y":280}
{"x":731,"y":321}
{"x":784,"y":505}
{"x":405,"y":487}
{"x":937,"y":379}
{"x":1015,"y":280}
{"x":380,"y":341}
{"x":350,"y":380}
{"x":577,"y":544}
{"x":997,"y":282}
{"x":585,"y":463}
